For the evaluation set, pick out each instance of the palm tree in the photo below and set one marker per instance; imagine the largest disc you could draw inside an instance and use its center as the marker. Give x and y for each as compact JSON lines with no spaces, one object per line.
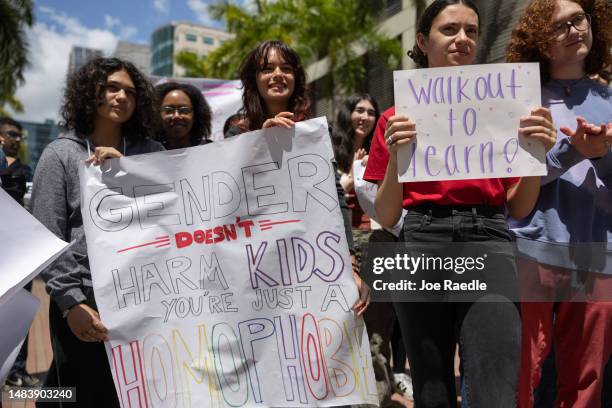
{"x":336,"y":29}
{"x":15,"y":15}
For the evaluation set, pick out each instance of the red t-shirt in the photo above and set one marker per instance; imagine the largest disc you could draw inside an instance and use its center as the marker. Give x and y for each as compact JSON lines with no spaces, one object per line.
{"x":451,"y":192}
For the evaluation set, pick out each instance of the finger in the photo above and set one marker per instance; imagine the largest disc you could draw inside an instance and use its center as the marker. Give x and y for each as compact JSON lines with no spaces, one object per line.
{"x":566,"y":131}
{"x":581,"y":126}
{"x":90,"y":159}
{"x":544,"y":138}
{"x":543,"y":112}
{"x":400,"y":126}
{"x":98,"y":326}
{"x":535,"y":121}
{"x":288,"y":115}
{"x":404,"y":137}
{"x":534,"y":129}
{"x":397,"y":118}
{"x":365,"y":307}
{"x":284,"y":122}
{"x":85,"y":336}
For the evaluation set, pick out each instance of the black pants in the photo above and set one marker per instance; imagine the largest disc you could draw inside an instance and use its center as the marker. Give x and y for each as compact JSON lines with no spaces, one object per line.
{"x":488,"y":333}
{"x":79,"y":364}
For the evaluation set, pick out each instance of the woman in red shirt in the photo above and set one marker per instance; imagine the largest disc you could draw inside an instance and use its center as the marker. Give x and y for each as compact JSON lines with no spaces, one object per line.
{"x":488,"y":333}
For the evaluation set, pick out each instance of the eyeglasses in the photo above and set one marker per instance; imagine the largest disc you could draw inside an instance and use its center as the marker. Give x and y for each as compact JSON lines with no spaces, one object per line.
{"x":168,"y":110}
{"x":581,"y":22}
{"x":12,"y":134}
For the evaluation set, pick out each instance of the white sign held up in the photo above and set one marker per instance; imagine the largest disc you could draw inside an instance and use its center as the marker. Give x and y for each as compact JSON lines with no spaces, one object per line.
{"x":467,"y":120}
{"x":223,"y":274}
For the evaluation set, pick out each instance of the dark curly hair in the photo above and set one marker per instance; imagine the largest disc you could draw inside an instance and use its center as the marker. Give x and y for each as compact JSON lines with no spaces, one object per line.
{"x":202,"y":116}
{"x":426,"y":21}
{"x":254,"y":109}
{"x":85,"y":89}
{"x":531,"y":37}
{"x":343,"y":132}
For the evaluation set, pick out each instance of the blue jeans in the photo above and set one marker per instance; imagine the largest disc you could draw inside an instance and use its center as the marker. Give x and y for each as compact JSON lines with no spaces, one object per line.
{"x":488,"y":333}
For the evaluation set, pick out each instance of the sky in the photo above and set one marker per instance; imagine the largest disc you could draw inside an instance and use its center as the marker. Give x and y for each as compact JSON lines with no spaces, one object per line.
{"x":60,"y":24}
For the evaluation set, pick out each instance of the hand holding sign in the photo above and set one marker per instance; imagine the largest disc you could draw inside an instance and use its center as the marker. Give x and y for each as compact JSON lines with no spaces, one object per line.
{"x":85,"y":324}
{"x":283,"y":119}
{"x":468,"y":120}
{"x":399,"y":132}
{"x":539,"y":126}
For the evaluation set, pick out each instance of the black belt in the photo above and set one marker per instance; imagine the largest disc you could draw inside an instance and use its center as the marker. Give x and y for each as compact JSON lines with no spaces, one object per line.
{"x":449,"y":210}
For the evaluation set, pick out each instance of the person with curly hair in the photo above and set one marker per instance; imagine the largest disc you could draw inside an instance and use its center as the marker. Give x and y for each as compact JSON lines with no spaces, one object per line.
{"x":456,"y":211}
{"x":275,"y":93}
{"x":571,"y":224}
{"x":185,"y":114}
{"x":108,"y":112}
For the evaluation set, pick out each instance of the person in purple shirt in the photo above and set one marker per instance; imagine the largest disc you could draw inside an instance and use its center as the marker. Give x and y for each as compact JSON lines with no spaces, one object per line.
{"x":566,"y":242}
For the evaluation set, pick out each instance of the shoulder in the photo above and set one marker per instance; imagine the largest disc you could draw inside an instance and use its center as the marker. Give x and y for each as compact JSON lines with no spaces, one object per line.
{"x":145,"y":146}
{"x":66,"y":146}
{"x":388,"y":113}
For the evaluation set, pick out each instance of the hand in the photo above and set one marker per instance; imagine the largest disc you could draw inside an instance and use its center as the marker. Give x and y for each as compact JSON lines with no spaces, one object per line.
{"x":400,"y":131}
{"x":101,"y":154}
{"x":539,"y":126}
{"x":364,"y":295}
{"x":85,"y":324}
{"x":360,"y":154}
{"x":589,"y":140}
{"x":283,"y":119}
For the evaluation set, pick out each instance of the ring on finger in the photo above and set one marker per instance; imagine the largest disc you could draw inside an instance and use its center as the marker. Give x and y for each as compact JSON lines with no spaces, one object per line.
{"x":390,"y":139}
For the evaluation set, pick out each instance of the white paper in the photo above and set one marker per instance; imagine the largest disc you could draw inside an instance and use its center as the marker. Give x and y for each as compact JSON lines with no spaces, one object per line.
{"x":366,"y":194}
{"x":467,"y":121}
{"x":27,"y":247}
{"x":16,"y":316}
{"x":205,"y":310}
{"x":223,"y":96}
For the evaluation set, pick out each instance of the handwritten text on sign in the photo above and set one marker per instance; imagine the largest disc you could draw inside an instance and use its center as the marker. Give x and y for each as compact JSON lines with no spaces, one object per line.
{"x":222,"y":273}
{"x":467,"y":119}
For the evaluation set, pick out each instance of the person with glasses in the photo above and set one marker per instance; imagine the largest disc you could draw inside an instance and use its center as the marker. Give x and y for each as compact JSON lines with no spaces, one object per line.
{"x":570,"y":228}
{"x":9,"y":129}
{"x":185,"y":114}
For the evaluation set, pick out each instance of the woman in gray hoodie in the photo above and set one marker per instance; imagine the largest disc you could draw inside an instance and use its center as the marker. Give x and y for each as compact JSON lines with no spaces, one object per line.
{"x":108,"y":112}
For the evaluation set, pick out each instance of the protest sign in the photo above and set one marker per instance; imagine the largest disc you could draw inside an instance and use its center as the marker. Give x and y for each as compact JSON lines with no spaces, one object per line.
{"x":19,"y":230}
{"x":224,"y":98}
{"x":222,"y":273}
{"x":16,"y":316}
{"x":467,"y":120}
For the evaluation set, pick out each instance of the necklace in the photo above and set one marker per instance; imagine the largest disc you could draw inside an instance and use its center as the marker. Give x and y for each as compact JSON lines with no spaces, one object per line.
{"x":567,"y":85}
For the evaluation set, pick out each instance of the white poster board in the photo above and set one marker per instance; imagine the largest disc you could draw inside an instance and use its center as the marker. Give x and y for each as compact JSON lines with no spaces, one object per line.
{"x":223,"y":274}
{"x":223,"y":96}
{"x":467,"y":121}
{"x":19,"y":231}
{"x":16,"y":316}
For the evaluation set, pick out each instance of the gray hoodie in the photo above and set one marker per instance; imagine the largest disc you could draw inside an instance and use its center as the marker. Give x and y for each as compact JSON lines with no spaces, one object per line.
{"x":56,"y":203}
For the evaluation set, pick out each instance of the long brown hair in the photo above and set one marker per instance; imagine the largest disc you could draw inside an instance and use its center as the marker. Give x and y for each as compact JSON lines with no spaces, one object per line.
{"x":531,"y":37}
{"x":254,"y":108}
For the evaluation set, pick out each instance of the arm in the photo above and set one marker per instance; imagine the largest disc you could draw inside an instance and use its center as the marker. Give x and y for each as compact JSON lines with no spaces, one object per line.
{"x":522,"y":196}
{"x":587,"y":141}
{"x":63,"y":277}
{"x":388,"y":203}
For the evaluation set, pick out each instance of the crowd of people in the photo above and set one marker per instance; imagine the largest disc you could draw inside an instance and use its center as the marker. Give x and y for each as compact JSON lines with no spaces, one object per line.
{"x":111,"y":110}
